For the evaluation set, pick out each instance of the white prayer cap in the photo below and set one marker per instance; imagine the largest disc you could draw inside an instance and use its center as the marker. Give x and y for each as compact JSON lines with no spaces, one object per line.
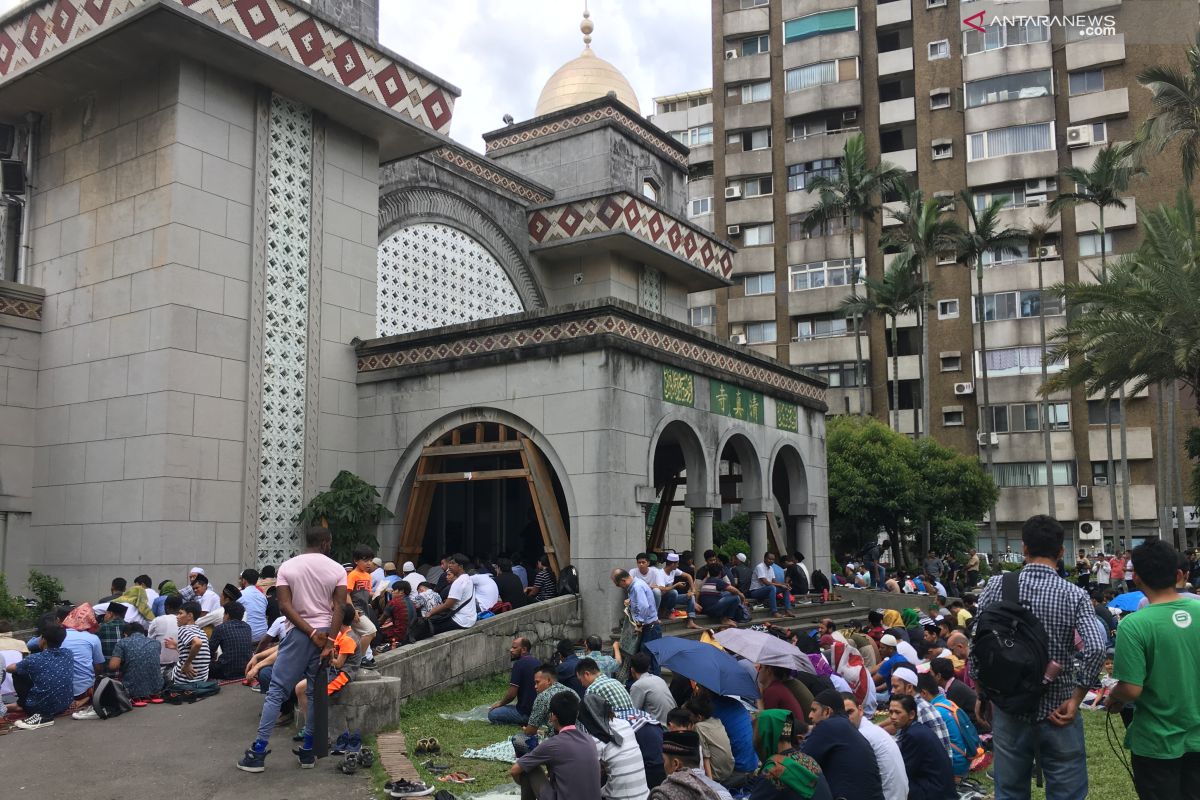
{"x":905,"y":674}
{"x":409,"y":567}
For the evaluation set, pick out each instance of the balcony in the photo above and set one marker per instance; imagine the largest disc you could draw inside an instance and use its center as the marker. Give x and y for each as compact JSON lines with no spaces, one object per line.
{"x":1099,"y":105}
{"x":748,"y":68}
{"x":700,"y":154}
{"x":896,"y":61}
{"x":1141,"y":502}
{"x":749,"y":210}
{"x":751,"y":309}
{"x":908,"y":419}
{"x":800,"y":8}
{"x":825,"y":351}
{"x":905,"y":159}
{"x":1010,"y":169}
{"x":1139,"y":443}
{"x":748,"y":115}
{"x":827,"y":47}
{"x":1018,"y":277}
{"x":753,"y":260}
{"x":893,"y":13}
{"x":1016,"y":504}
{"x":1097,"y":51}
{"x":822,"y":248}
{"x":1027,"y":216}
{"x":819,"y":301}
{"x":747,"y":21}
{"x":1008,"y":60}
{"x":888,"y":216}
{"x":800,"y":202}
{"x":1008,"y":113}
{"x":845,"y":401}
{"x":910,"y":368}
{"x":810,"y":148}
{"x":1087,"y":218}
{"x":845,"y":94}
{"x":894,"y":112}
{"x":748,"y":162}
{"x":1031,"y":447}
{"x":1022,"y":332}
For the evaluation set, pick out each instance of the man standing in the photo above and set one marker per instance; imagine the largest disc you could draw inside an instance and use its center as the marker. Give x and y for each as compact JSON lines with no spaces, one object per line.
{"x":308,"y":586}
{"x":460,"y":598}
{"x":642,"y":609}
{"x":1116,"y":570}
{"x":1155,"y":666}
{"x":763,"y":587}
{"x":1054,"y":731}
{"x":255,"y":604}
{"x":972,"y":567}
{"x":1083,"y":571}
{"x":569,"y":757}
{"x":520,"y":687}
{"x":933,"y":566}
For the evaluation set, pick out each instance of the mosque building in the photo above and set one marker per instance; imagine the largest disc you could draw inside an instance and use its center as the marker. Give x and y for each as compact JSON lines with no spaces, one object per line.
{"x":242,"y":253}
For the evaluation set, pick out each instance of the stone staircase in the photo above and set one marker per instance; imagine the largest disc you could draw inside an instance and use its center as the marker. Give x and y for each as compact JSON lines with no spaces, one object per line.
{"x":807,"y":616}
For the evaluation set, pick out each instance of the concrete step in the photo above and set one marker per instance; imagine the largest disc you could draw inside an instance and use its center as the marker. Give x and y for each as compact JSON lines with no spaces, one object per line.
{"x":807,"y":617}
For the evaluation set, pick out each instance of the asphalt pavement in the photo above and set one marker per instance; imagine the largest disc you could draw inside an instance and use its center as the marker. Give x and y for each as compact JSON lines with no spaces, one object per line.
{"x":167,"y":751}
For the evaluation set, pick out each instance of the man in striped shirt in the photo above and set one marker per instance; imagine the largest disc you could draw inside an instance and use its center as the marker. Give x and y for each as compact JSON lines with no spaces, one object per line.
{"x":192,"y":645}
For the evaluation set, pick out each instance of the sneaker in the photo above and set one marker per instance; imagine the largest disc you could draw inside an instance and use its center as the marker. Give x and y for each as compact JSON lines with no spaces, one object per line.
{"x":354,"y":743}
{"x":35,"y":721}
{"x":403,"y":788}
{"x":85,"y":713}
{"x":253,"y":761}
{"x":306,"y":757}
{"x":368,"y":663}
{"x":339,"y":746}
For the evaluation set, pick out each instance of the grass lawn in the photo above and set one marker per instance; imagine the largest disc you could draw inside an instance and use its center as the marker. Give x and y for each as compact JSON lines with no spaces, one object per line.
{"x":1107,"y":778}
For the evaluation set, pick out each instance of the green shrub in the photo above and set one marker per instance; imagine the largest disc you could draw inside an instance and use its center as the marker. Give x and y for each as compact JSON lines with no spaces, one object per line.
{"x":351,"y":511}
{"x":732,"y":546}
{"x":47,"y":589}
{"x":11,"y":608}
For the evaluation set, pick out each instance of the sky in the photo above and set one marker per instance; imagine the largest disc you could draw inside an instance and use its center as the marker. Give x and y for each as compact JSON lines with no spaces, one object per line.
{"x":500,"y":53}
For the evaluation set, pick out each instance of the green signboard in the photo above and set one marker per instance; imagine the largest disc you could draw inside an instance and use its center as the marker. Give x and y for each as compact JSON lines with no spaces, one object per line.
{"x":786,"y":417}
{"x":679,"y":387}
{"x":734,"y":401}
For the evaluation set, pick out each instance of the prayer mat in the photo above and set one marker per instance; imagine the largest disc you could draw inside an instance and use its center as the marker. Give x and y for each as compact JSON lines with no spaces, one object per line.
{"x":476,"y":714}
{"x":500,"y":751}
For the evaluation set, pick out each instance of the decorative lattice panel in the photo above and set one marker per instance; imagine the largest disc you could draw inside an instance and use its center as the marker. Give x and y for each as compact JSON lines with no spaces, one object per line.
{"x":285,"y":330}
{"x":433,"y":275}
{"x":650,"y":290}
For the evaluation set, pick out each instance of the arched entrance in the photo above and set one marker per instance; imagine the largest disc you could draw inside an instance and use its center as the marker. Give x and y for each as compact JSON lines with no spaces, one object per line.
{"x":677,"y":459}
{"x":789,"y":493}
{"x":740,"y":484}
{"x":485,"y":489}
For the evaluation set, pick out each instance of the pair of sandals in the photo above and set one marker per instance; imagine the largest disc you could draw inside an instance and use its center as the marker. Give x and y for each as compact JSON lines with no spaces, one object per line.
{"x":456,"y":777}
{"x":430,"y":745}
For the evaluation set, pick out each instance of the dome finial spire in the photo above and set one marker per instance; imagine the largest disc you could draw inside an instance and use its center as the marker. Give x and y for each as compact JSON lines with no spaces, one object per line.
{"x":586,"y":27}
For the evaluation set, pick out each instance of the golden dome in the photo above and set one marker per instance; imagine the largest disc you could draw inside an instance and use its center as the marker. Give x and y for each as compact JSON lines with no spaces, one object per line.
{"x":588,"y":77}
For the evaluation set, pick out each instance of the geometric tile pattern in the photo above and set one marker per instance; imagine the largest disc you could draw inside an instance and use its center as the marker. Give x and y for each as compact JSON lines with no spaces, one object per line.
{"x":20,"y":307}
{"x":626,"y":327}
{"x":639,"y":130}
{"x":650,"y":289}
{"x":480,"y":170}
{"x":625,"y":212}
{"x":285,"y":330}
{"x":433,"y":275}
{"x":286,"y":29}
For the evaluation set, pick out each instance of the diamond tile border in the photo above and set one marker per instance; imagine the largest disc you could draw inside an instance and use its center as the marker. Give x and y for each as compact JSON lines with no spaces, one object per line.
{"x":286,"y":29}
{"x":607,"y":321}
{"x":623,"y":211}
{"x":486,"y":173}
{"x":20,"y":307}
{"x":609,"y":112}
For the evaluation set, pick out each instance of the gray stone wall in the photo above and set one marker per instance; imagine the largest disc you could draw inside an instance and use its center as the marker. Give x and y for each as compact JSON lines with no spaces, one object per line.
{"x":357,"y":17}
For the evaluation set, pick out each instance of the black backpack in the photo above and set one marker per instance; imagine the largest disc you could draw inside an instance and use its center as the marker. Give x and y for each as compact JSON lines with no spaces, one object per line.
{"x":1010,"y":652}
{"x":110,"y":699}
{"x":568,"y":581}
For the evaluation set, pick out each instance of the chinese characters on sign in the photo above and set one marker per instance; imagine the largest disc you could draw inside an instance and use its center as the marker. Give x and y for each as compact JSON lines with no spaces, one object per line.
{"x":679,"y":387}
{"x":736,"y":402}
{"x":786,"y":417}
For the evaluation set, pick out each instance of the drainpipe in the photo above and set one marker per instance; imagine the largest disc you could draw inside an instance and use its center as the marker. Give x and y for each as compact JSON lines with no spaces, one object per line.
{"x":32,"y":128}
{"x":3,"y":540}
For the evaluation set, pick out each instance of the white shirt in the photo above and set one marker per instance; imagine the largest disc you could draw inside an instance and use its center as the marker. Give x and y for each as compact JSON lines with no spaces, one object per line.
{"x":462,"y":589}
{"x":487,"y":593}
{"x":763,"y":576}
{"x":278,"y":628}
{"x":161,"y":629}
{"x":131,"y":613}
{"x":887,"y":755}
{"x":8,"y":657}
{"x":653,"y":577}
{"x":414,"y":579}
{"x":1103,"y":571}
{"x":210,"y":601}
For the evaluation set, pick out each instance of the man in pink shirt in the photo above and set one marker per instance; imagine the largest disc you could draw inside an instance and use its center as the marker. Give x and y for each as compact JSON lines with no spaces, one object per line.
{"x":1117,"y":564}
{"x":308,"y":588}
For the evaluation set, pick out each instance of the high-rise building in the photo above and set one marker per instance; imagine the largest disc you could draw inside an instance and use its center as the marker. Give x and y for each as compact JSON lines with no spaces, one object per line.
{"x":998,"y":113}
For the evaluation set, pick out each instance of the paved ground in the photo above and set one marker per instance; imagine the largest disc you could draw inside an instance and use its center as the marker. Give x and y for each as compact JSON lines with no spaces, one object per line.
{"x":166,"y":751}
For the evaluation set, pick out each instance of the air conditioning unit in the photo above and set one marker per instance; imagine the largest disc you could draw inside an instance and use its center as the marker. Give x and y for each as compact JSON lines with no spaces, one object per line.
{"x":1035,"y":200}
{"x":1079,"y":135}
{"x":1090,"y":530}
{"x":1083,"y":491}
{"x":1100,"y":480}
{"x":730,"y":55}
{"x":964,"y":388}
{"x":987,"y":439}
{"x":850,"y":116}
{"x":737,"y":338}
{"x":733,"y":230}
{"x":1049,"y":251}
{"x":733,"y":192}
{"x":1038,"y":185}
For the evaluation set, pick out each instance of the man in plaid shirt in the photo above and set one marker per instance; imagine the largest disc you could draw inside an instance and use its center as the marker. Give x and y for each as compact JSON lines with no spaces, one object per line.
{"x":595,"y":682}
{"x":1076,"y":641}
{"x":233,"y":639}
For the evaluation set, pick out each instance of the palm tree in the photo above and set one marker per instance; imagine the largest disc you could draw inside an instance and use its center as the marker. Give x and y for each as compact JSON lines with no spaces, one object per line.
{"x":1102,"y":186}
{"x":923,"y":232}
{"x":898,"y":293}
{"x":1037,"y":235}
{"x":1141,"y":323}
{"x":1175,"y":111}
{"x":984,"y":235}
{"x":851,"y":196}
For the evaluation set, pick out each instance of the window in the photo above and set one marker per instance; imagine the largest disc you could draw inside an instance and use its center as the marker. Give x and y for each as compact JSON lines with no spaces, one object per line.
{"x":1100,"y":475}
{"x":829,"y":227}
{"x":1019,"y":361}
{"x":952,"y":418}
{"x":1059,"y":416}
{"x":756,"y":187}
{"x":811,"y":75}
{"x":1099,"y":132}
{"x":701,"y":134}
{"x":1085,"y":82}
{"x":762,"y":283}
{"x":1019,"y":305}
{"x":997,"y":36}
{"x":1089,"y":244}
{"x":754,"y":92}
{"x":1026,"y":417}
{"x":1033,"y":473}
{"x":649,"y":190}
{"x":703,"y":316}
{"x":699,"y":206}
{"x":839,"y":375}
{"x":948,"y":309}
{"x":1019,"y":254}
{"x":760,"y":332}
{"x":758,"y":234}
{"x":820,"y":274}
{"x":939,"y":99}
{"x":1096,"y":411}
{"x":943,"y":150}
{"x":939,"y":49}
{"x":1010,"y":141}
{"x":821,"y":328}
{"x":842,"y":19}
{"x":800,"y":175}
{"x":1018,"y":195}
{"x":754,"y":45}
{"x":1018,"y":86}
{"x":757,"y":139}
{"x":753,"y":3}
{"x":952,"y":363}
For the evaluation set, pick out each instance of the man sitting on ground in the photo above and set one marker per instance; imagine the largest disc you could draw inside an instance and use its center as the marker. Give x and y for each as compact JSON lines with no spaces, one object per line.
{"x":887,"y":753}
{"x":164,"y":628}
{"x":764,"y":587}
{"x":685,"y":779}
{"x":607,"y":664}
{"x":567,"y":662}
{"x":572,"y":770}
{"x":255,"y":603}
{"x":233,"y":639}
{"x":110,"y":628}
{"x":959,"y":693}
{"x":545,"y":681}
{"x":714,"y":742}
{"x":846,"y":758}
{"x":211,"y":612}
{"x":520,"y":687}
{"x":608,"y":688}
{"x":137,"y":659}
{"x":43,"y":681}
{"x":904,"y":682}
{"x":192,"y":645}
{"x":649,"y":692}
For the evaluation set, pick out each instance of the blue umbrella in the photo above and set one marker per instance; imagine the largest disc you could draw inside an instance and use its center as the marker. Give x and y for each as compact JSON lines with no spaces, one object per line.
{"x":1127,"y":602}
{"x":713,"y":669}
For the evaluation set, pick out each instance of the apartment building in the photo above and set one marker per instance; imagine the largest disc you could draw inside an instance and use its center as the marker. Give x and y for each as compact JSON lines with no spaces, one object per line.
{"x":998,"y":113}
